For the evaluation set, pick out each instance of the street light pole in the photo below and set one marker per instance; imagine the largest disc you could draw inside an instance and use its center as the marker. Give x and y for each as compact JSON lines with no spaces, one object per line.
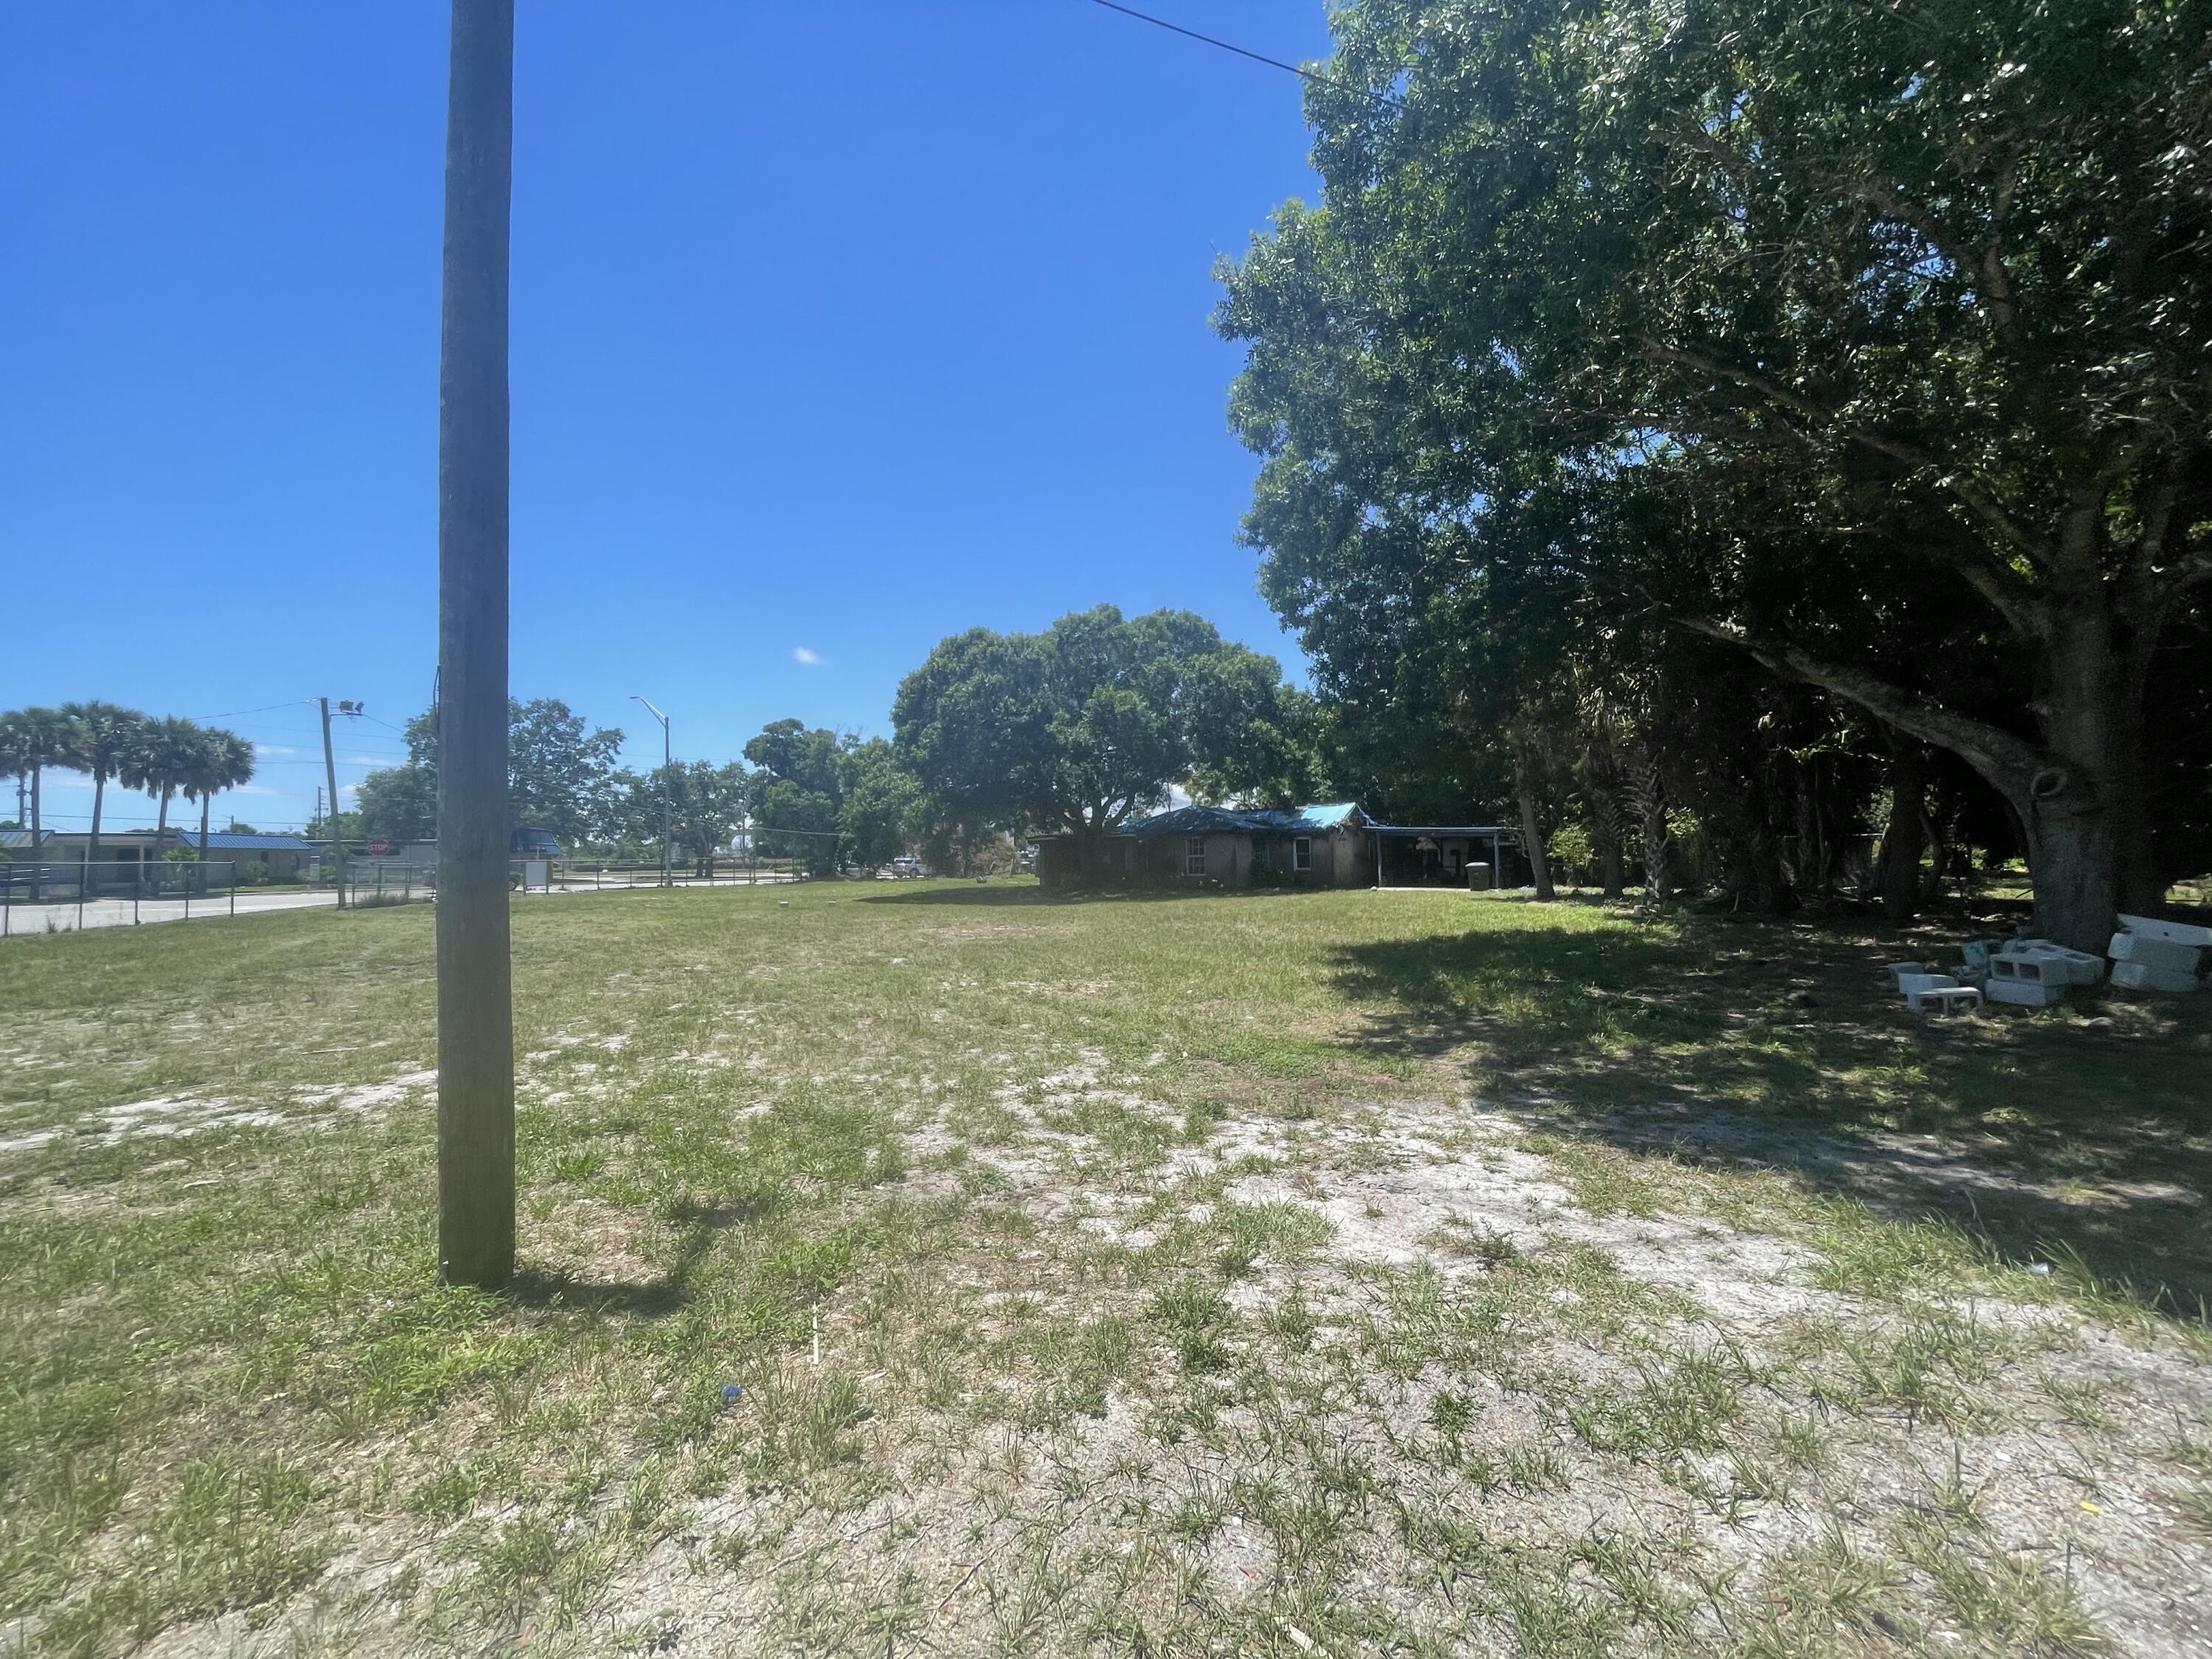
{"x":667,"y":795}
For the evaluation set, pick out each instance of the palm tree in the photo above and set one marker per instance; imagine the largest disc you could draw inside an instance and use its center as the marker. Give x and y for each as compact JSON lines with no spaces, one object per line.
{"x":103,"y":736}
{"x":220,"y":760}
{"x":40,"y":738}
{"x":13,"y":762}
{"x":160,"y":762}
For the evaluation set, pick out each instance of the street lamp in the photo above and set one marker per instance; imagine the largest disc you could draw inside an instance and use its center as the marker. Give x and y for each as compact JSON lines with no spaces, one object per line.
{"x":667,"y":798}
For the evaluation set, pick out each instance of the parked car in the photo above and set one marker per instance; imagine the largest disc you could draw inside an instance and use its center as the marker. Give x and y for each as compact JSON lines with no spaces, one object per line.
{"x":533,"y":844}
{"x":906,"y":864}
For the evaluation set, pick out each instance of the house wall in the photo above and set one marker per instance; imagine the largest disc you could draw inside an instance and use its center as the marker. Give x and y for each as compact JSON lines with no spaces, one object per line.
{"x":1059,"y":861}
{"x":1341,"y":858}
{"x":1351,"y":859}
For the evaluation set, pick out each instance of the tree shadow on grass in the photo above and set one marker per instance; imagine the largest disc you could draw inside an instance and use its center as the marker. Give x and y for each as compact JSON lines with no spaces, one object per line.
{"x":1782,"y":1046}
{"x":1033,"y":897}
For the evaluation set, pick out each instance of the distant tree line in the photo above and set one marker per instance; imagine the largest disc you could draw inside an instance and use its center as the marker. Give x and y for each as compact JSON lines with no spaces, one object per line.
{"x":997,"y":737}
{"x":815,"y":795}
{"x":164,"y":756}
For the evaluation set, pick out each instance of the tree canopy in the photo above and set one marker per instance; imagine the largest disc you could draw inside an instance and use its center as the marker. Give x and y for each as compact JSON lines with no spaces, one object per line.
{"x":1080,"y":726}
{"x":562,"y":776}
{"x":1865,"y":342}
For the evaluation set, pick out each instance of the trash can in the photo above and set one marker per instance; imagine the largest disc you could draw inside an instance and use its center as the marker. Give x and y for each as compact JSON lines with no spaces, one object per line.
{"x":1478,"y":878}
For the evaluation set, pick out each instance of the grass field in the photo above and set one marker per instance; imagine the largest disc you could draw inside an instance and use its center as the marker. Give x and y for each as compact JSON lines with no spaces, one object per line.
{"x":1280,"y":1274}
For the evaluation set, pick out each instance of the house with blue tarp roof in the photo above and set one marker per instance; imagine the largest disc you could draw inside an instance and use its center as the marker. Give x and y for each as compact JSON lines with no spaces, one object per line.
{"x":1323,"y":845}
{"x":1328,"y":844}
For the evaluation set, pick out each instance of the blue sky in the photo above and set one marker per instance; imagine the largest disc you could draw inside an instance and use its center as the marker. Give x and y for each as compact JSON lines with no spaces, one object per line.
{"x":836,"y":330}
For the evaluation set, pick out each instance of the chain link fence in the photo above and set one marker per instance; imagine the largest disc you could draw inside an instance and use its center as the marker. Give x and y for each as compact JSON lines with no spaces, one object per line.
{"x":56,"y":896}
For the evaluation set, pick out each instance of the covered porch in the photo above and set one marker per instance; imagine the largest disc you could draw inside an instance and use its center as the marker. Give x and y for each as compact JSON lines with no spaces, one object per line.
{"x":1438,"y":854}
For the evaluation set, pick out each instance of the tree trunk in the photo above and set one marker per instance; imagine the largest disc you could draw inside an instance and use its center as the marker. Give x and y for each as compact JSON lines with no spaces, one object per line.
{"x":1525,"y":774}
{"x":1763,"y":856}
{"x":1901,"y":843}
{"x":2084,"y":809}
{"x":92,"y":842}
{"x":1608,"y":856}
{"x":2078,"y":794}
{"x":1938,"y":861}
{"x":1605,"y":832}
{"x":1647,"y":793}
{"x":207,"y":801}
{"x":1532,"y":842}
{"x":476,"y":1010}
{"x":38,"y":838}
{"x":1090,"y":843}
{"x":161,"y":820}
{"x":1811,"y":872}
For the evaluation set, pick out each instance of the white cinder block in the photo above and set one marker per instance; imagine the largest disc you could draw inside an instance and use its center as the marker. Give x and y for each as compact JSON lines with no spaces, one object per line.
{"x":2028,"y":993}
{"x":2161,"y":953}
{"x":1917,"y":986}
{"x":1949,"y":999}
{"x":2082,"y":968}
{"x":2054,"y":963}
{"x":2176,"y":932}
{"x":2142,"y":977}
{"x":1897,"y":970}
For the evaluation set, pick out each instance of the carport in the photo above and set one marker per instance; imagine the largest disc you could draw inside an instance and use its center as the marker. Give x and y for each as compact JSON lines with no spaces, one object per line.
{"x":1434,"y":855}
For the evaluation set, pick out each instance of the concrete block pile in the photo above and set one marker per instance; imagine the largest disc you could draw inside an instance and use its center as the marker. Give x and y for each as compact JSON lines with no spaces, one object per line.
{"x":2149,"y":955}
{"x":2034,"y":972}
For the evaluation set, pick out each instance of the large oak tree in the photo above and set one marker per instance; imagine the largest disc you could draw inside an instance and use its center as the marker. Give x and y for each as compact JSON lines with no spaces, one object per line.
{"x":1083,"y":726}
{"x":1940,"y":264}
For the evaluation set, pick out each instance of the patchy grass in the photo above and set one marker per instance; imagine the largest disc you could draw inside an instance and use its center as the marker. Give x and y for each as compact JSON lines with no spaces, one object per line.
{"x":950,"y":1265}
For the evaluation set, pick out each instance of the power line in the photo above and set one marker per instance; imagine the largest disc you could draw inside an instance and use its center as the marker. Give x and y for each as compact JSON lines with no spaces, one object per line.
{"x":1304,"y":74}
{"x":295,"y":704}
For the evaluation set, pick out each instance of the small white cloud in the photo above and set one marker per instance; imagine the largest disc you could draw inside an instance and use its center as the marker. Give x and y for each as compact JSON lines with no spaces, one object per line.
{"x":802,"y":654}
{"x":273,"y":749}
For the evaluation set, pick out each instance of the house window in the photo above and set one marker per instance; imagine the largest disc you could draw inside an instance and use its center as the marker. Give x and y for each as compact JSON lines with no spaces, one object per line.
{"x":1193,"y":855}
{"x":1301,"y":853}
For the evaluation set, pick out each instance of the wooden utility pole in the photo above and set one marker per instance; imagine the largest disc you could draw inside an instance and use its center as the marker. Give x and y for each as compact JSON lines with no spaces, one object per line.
{"x":331,"y":824}
{"x":476,"y":1014}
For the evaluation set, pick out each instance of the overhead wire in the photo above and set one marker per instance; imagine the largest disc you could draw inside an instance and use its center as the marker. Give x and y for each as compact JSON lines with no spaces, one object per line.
{"x":295,"y":702}
{"x":1300,"y":70}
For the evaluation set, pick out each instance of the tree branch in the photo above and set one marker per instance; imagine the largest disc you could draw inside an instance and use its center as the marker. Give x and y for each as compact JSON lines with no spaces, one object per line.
{"x":2037,"y":550}
{"x":2011,"y":763}
{"x":1985,"y":264}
